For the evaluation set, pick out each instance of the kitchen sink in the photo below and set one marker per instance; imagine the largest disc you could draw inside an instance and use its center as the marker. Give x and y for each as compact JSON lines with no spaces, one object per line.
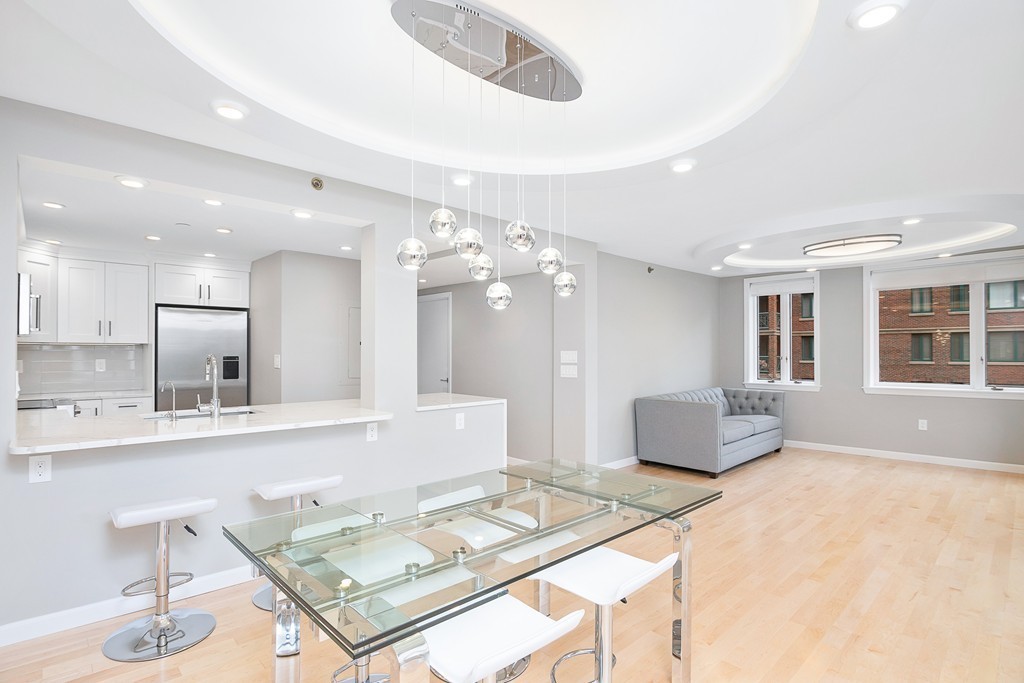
{"x":194,"y":414}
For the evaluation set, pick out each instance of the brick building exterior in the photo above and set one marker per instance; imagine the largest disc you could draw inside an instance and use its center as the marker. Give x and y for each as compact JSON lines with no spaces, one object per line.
{"x":769,"y":337}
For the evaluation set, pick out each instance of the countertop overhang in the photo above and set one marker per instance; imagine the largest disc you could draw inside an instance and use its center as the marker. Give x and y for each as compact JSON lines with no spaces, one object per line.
{"x":52,"y":431}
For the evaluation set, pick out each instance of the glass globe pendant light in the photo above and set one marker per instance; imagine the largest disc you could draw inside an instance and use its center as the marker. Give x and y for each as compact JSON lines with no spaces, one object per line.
{"x":412,"y":253}
{"x":565,"y":283}
{"x":443,"y":223}
{"x":481,"y":267}
{"x":519,"y":235}
{"x":499,"y":296}
{"x":549,"y":261}
{"x":469,"y":243}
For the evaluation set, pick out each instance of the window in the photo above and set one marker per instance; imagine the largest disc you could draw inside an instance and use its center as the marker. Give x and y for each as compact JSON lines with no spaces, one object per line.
{"x":921,"y":300}
{"x":920,"y":348}
{"x":806,"y":348}
{"x":1006,"y":347}
{"x":807,"y":305}
{"x":959,"y":298}
{"x":971,"y":340}
{"x":959,"y":347}
{"x":1006,"y":295}
{"x":780,"y":337}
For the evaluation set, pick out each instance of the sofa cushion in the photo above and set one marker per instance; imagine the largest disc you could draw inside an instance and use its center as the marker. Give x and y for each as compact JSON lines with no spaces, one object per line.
{"x":762,"y":423}
{"x":736,"y":428}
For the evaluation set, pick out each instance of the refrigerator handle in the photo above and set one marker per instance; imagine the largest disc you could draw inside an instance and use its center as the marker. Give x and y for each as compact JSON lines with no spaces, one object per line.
{"x":110,"y":328}
{"x":99,"y":328}
{"x":200,"y":292}
{"x":207,"y":292}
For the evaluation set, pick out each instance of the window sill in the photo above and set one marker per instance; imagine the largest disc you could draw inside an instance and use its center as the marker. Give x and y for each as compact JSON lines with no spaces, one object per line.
{"x":783,"y":386}
{"x":922,"y":362}
{"x":920,"y":313}
{"x":945,"y":391}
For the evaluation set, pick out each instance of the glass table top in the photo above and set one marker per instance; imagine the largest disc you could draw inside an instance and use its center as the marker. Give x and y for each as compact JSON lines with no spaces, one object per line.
{"x":374,"y":570}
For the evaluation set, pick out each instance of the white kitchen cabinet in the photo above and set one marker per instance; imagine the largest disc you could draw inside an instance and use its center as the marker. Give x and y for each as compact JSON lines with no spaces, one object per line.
{"x":90,"y":408}
{"x":191,"y":286}
{"x":102,"y":303}
{"x":112,"y":407}
{"x":43,"y":322}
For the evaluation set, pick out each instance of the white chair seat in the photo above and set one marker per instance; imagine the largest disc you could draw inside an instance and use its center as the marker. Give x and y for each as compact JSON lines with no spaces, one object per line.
{"x":161,"y":511}
{"x":479,"y":533}
{"x":453,"y":498}
{"x":604,"y":576}
{"x":297,"y":487}
{"x":380,"y":559}
{"x":489,"y":637}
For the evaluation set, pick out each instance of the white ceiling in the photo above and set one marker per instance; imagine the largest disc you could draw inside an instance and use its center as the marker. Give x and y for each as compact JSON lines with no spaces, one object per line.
{"x":802,"y":127}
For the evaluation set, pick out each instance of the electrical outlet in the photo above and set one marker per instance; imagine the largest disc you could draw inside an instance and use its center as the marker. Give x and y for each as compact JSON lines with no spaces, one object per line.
{"x":922,"y":425}
{"x":460,"y":420}
{"x":101,"y":365}
{"x":371,"y":431}
{"x":277,"y":361}
{"x":38,"y":468}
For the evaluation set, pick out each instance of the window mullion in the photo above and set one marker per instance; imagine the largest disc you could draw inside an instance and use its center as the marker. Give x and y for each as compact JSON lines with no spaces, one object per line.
{"x":786,"y":341}
{"x":977,"y":335}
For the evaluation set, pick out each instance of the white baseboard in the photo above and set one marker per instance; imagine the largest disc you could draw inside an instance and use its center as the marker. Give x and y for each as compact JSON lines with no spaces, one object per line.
{"x":515,"y":461}
{"x":55,"y":622}
{"x":911,"y":457}
{"x":619,"y":464}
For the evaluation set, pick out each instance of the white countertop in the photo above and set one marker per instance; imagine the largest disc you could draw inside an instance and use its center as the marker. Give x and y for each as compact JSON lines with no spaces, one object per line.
{"x":50,"y":431}
{"x":440,"y":401}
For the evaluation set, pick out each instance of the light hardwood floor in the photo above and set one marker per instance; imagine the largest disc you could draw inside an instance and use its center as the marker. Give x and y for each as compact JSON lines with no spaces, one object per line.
{"x":812,"y":567}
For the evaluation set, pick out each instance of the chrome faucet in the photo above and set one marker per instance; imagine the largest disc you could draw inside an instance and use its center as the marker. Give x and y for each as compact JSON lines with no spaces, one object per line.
{"x":213,"y":407}
{"x":174,"y":400}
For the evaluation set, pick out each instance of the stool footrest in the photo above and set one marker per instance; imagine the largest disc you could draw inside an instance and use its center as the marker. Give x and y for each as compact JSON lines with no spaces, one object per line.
{"x":575,"y":653}
{"x":132,"y":589}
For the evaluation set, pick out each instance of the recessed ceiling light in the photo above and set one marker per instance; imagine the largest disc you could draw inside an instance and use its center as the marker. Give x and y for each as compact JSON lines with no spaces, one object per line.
{"x":875,"y":13}
{"x":302,"y":213}
{"x":53,"y":205}
{"x":224,"y":231}
{"x":683,"y":165}
{"x":230,"y":110}
{"x":152,"y":238}
{"x":133,"y":183}
{"x":812,"y":270}
{"x":346,"y":248}
{"x":56,"y":242}
{"x":213,"y":202}
{"x":462,"y":180}
{"x":745,"y":245}
{"x":946,"y":255}
{"x":911,"y":221}
{"x":422,"y":280}
{"x":716,"y":267}
{"x":210,"y":255}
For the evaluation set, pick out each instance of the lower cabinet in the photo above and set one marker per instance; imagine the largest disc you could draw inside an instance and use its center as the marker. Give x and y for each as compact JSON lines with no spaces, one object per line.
{"x":90,"y":408}
{"x":112,"y":407}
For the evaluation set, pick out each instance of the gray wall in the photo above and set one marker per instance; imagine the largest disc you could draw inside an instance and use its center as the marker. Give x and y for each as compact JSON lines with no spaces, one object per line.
{"x":264,"y":329}
{"x":656,"y":334}
{"x":841,"y":414}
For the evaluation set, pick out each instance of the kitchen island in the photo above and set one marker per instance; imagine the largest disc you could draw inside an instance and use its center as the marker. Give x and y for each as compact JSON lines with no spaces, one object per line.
{"x":52,"y":431}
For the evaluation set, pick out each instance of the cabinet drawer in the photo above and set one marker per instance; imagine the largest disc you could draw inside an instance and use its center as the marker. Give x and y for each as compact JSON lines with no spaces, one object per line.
{"x":112,"y":407}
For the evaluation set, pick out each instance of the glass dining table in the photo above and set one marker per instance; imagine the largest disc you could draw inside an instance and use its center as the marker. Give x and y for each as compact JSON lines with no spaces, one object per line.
{"x":373,"y":572}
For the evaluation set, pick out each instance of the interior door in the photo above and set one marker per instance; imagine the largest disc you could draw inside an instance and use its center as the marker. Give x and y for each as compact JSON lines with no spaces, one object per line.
{"x":434,"y":343}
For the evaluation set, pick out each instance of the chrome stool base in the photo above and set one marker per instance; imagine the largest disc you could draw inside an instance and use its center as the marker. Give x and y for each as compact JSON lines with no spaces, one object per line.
{"x":156,"y":636}
{"x":264,"y":598}
{"x":575,"y":653}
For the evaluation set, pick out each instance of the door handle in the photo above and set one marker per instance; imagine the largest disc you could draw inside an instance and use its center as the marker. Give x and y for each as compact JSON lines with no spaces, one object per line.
{"x":110,"y":328}
{"x":35,"y":317}
{"x":99,"y":328}
{"x":208,"y":295}
{"x":445,"y":380}
{"x":200,"y":292}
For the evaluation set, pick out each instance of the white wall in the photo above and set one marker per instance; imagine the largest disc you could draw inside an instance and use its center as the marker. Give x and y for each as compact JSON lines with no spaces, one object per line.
{"x":265,"y":293}
{"x":841,"y":414}
{"x":657,"y":333}
{"x":67,"y":553}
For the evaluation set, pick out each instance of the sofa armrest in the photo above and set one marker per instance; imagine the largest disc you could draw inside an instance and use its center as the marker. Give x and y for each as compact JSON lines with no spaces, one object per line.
{"x":681,"y":433}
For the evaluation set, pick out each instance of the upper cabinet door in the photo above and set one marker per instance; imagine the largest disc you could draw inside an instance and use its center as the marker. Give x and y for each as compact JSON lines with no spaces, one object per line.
{"x":80,"y":316}
{"x":43,"y":307}
{"x":228,"y":288}
{"x":127,"y":304}
{"x":180,"y":285}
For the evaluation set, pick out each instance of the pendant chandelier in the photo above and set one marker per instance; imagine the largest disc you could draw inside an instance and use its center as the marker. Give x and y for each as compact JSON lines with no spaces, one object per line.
{"x":491,"y":49}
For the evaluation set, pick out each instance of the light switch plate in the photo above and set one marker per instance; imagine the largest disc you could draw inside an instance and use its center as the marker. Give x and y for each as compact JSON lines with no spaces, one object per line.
{"x":569,"y":371}
{"x":277,"y":361}
{"x":570,"y":357}
{"x":460,"y":420}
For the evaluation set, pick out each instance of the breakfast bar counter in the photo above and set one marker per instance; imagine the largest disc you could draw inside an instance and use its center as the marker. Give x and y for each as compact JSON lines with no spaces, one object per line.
{"x":51,"y":431}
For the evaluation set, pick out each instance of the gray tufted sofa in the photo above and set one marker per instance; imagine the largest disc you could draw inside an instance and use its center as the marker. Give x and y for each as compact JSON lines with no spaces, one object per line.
{"x":709,"y":430}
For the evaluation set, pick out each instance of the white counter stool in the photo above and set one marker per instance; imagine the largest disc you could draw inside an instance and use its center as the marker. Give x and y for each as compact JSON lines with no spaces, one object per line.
{"x":294,"y":489}
{"x":603,"y":576}
{"x":477,"y":644}
{"x":166,"y":631}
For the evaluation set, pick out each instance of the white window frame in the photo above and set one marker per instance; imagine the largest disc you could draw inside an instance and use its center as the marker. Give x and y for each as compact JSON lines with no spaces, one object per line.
{"x":785,"y":286}
{"x":964,"y":270}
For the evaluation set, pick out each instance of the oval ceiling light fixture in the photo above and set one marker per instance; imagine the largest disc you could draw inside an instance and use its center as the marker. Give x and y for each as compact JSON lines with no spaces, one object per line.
{"x":683,"y":165}
{"x":53,"y":205}
{"x":213,"y":202}
{"x":225,"y":231}
{"x":183,"y":225}
{"x":911,"y":221}
{"x":302,"y":213}
{"x":853,"y":246}
{"x":874,"y":13}
{"x":233,"y":111}
{"x":462,"y":180}
{"x":130,"y":182}
{"x":152,"y":238}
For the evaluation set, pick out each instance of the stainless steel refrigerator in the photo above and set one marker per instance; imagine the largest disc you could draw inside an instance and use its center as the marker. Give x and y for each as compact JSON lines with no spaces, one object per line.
{"x":184,"y":337}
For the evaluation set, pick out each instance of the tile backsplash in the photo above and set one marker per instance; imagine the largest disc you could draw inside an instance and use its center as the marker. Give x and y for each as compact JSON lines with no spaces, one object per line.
{"x":52,"y":369}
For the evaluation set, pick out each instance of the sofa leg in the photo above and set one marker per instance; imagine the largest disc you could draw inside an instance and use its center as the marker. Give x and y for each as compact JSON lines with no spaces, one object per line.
{"x":779,"y":449}
{"x":713,"y":475}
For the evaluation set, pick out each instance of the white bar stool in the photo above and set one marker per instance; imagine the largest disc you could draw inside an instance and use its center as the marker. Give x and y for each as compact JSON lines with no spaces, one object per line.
{"x":603,"y":576}
{"x":166,"y":631}
{"x":477,"y":644}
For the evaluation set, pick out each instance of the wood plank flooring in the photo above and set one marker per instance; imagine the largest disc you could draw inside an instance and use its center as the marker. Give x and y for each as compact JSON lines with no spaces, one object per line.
{"x":813,"y":567}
